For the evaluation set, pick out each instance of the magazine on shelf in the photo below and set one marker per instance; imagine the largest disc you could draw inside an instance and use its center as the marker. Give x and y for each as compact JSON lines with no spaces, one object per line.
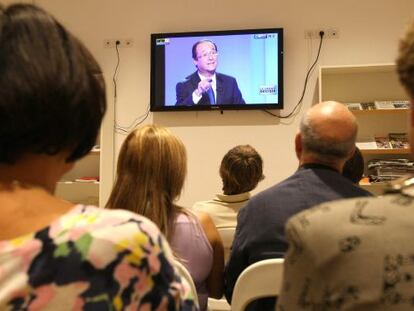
{"x":387,"y":141}
{"x":392,"y":104}
{"x":374,"y":163}
{"x":402,"y":104}
{"x":398,"y":140}
{"x":353,"y":106}
{"x":365,"y":143}
{"x":368,"y":106}
{"x":383,"y":142}
{"x":380,"y":170}
{"x":384,"y":104}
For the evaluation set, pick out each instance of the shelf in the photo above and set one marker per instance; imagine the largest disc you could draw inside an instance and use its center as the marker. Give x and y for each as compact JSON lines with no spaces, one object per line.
{"x":358,"y":69}
{"x":378,"y":111}
{"x":78,"y":192}
{"x":85,"y":192}
{"x":78,"y":183}
{"x":369,"y":83}
{"x":385,"y":151}
{"x":98,"y":162}
{"x":360,"y":83}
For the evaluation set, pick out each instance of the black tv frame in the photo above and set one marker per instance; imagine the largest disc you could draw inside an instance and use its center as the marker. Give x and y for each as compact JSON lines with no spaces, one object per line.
{"x":155,"y":85}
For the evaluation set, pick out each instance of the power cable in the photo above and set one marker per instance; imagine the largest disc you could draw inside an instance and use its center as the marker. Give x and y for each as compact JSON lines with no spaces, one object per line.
{"x":321,"y":34}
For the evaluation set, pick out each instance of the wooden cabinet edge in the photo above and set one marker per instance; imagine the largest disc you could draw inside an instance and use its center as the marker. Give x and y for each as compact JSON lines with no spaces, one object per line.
{"x":385,"y":151}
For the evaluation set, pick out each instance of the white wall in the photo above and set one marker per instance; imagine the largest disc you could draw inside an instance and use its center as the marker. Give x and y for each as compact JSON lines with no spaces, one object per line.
{"x":368,"y":33}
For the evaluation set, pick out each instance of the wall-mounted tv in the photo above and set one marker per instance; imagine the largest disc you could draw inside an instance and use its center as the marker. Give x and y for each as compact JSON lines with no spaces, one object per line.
{"x":232,"y":69}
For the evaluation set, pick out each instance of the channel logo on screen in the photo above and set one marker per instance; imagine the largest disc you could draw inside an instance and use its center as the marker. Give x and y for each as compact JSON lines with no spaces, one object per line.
{"x":263,"y":36}
{"x":268,"y":90}
{"x":260,"y":36}
{"x":163,"y":41}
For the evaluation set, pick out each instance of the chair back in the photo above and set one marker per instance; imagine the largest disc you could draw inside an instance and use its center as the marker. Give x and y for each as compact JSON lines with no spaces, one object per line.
{"x":218,"y":304}
{"x":259,"y":280}
{"x":182,"y":270}
{"x":227,"y":236}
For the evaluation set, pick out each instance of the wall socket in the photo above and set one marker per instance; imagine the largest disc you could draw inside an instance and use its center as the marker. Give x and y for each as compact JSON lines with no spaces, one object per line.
{"x":123,"y":43}
{"x":330,"y":33}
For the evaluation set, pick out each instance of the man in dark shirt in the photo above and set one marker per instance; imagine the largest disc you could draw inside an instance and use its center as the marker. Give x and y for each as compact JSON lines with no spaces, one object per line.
{"x":325,"y":141}
{"x":206,"y":86}
{"x":356,"y":254}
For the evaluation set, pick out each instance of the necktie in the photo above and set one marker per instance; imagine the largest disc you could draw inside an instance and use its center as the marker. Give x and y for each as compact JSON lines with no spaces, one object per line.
{"x":210,"y":94}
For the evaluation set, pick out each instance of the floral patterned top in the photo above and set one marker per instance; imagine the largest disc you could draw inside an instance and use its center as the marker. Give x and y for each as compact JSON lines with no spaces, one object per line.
{"x":91,"y":259}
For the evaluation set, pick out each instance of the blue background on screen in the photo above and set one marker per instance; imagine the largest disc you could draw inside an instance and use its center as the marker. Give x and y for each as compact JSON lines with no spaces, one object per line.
{"x":253,"y":62}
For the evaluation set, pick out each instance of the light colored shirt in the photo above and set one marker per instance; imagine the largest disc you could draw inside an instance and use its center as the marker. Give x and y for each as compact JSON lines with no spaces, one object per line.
{"x":351,"y":255}
{"x":223,"y":209}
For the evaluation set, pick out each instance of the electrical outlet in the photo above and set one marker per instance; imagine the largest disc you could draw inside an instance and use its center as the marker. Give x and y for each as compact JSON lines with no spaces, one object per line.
{"x":122,"y":43}
{"x":329,"y":33}
{"x":332,"y":33}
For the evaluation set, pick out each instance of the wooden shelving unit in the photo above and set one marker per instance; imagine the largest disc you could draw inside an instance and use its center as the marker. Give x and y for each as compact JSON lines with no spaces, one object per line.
{"x":380,"y":112}
{"x":385,"y":151}
{"x":98,"y":163}
{"x":368,"y":83}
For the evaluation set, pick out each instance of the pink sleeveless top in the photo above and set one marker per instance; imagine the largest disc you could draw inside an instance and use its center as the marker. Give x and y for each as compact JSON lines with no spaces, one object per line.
{"x":191,"y":245}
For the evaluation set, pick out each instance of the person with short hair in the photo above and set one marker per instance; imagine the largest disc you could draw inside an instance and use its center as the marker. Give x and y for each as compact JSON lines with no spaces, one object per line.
{"x":56,"y":255}
{"x":206,"y":86}
{"x":354,"y":167}
{"x":325,"y":141}
{"x":151,"y":171}
{"x":356,"y":254}
{"x":241,"y":170}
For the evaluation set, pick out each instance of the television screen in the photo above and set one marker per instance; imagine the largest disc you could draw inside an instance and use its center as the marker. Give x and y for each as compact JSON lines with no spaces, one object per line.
{"x":236,"y":69}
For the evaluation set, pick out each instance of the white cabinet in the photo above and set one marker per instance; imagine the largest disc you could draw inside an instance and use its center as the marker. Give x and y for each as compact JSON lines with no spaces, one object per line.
{"x":98,"y":163}
{"x":368,"y":83}
{"x":75,"y":187}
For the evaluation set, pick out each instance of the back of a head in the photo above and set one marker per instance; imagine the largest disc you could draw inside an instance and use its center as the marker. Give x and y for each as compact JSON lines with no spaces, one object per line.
{"x":328,"y":131}
{"x":52,"y":95}
{"x":150,"y":174}
{"x":405,"y":61}
{"x":354,"y":167}
{"x":241,"y":170}
{"x":405,"y":69}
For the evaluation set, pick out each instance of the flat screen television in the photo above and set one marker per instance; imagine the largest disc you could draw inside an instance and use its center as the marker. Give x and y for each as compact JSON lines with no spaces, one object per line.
{"x":239,"y":69}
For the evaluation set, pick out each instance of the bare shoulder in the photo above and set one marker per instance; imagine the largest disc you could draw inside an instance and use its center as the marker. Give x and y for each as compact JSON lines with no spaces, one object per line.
{"x":208,"y":226}
{"x":203,"y":218}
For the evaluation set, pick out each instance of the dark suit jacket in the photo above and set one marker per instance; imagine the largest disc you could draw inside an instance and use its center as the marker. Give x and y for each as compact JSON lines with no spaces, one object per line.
{"x":228,"y":92}
{"x":260,"y":224}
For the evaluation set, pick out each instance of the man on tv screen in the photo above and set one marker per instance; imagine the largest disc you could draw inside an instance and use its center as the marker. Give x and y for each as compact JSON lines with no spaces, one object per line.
{"x":206,"y":86}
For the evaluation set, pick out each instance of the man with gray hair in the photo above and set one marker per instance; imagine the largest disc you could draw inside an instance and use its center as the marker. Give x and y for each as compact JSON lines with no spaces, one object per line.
{"x":325,"y":141}
{"x":356,"y":254}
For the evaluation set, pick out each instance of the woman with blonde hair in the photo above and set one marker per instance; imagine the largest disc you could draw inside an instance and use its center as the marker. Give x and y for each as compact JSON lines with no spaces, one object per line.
{"x":150,"y":176}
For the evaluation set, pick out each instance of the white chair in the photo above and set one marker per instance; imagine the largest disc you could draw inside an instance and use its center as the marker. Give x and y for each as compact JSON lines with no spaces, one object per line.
{"x":218,"y":304}
{"x":261,"y":279}
{"x":227,"y":236}
{"x":182,"y":270}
